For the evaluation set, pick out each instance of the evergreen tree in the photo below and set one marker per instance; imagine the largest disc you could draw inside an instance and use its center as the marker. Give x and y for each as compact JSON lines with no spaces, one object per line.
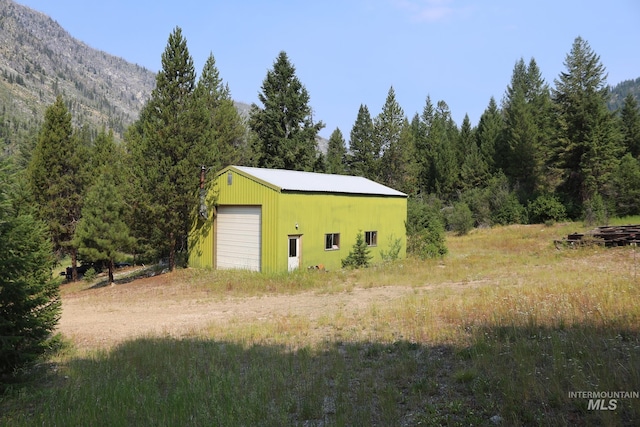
{"x":102,"y":232}
{"x":336,"y":153}
{"x":390,"y":147}
{"x":626,"y":183}
{"x":528,"y":116}
{"x":489,"y":134}
{"x":361,"y":158}
{"x":420,"y":127}
{"x":473,"y":171}
{"x":630,"y":116}
{"x":445,"y":165}
{"x":58,"y":177}
{"x":284,"y":125}
{"x":400,"y":169}
{"x":225,"y":130}
{"x":29,"y":297}
{"x":168,"y":147}
{"x":522,"y":165}
{"x":387,"y":127}
{"x":360,"y":254}
{"x":589,"y":142}
{"x":104,"y":154}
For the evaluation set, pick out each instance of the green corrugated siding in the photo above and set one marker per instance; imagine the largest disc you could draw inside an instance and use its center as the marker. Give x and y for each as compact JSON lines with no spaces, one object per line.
{"x":319,"y":214}
{"x":242,"y":191}
{"x":315,"y":216}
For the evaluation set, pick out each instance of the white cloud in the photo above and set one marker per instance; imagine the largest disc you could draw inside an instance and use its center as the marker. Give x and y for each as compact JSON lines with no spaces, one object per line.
{"x":427,"y":10}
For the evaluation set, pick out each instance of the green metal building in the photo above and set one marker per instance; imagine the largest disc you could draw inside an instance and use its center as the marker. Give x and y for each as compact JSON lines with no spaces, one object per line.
{"x":274,"y":220}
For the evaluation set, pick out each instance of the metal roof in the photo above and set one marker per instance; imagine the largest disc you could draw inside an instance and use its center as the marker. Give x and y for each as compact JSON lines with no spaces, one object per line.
{"x":288,"y":180}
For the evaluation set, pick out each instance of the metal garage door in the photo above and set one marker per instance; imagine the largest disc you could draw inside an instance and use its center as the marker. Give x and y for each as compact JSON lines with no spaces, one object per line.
{"x":238,"y":237}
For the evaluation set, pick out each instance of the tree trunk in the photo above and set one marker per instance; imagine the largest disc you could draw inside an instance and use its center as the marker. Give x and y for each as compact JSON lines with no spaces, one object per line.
{"x":111,"y":267}
{"x":172,"y":252}
{"x":74,"y":265}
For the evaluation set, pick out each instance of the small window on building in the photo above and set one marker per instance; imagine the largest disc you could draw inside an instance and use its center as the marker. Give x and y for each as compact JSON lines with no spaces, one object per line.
{"x":293,"y":247}
{"x":332,"y":241}
{"x":229,"y":178}
{"x":371,"y":237}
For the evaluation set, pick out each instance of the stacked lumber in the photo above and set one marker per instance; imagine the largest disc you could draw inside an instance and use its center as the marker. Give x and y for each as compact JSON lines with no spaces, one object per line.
{"x":609,"y":236}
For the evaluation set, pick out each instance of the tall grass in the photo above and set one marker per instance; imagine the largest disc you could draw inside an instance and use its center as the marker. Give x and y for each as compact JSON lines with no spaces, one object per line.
{"x":499,"y":331}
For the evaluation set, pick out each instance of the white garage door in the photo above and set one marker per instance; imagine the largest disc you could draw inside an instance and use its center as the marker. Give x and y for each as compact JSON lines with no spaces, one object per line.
{"x":238,"y":237}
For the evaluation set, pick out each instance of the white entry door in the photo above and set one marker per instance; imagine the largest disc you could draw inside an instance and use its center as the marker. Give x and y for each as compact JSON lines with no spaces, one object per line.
{"x":294,"y":252}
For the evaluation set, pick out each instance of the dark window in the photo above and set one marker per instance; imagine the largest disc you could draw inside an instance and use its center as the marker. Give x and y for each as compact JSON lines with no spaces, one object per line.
{"x":229,"y":178}
{"x":371,"y":237}
{"x":332,"y":241}
{"x":293,"y":247}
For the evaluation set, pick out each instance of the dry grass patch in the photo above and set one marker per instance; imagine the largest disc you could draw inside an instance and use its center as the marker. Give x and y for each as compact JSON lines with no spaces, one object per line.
{"x":501,"y":329}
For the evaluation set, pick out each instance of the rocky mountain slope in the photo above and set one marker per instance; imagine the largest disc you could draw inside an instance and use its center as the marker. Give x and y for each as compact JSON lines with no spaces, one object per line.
{"x":39,"y":60}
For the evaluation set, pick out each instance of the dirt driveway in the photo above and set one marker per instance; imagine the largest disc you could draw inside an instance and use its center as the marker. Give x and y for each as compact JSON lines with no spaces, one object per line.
{"x":102,"y":317}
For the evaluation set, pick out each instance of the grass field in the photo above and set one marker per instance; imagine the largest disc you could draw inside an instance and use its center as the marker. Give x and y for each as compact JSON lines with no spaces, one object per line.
{"x":503,"y":331}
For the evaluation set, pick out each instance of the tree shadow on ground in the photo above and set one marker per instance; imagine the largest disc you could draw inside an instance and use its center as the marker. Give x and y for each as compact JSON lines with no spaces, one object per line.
{"x":507,"y":376}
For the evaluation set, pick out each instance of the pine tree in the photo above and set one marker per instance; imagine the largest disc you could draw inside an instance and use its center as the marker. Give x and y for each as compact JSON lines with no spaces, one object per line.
{"x":420,"y":126}
{"x":388,"y":152}
{"x":58,"y":177}
{"x":520,"y":142}
{"x":168,"y":147}
{"x":284,"y":124}
{"x":442,"y":138}
{"x":400,"y":168}
{"x":360,"y":254}
{"x":104,"y":154}
{"x":386,"y":131}
{"x":589,"y":142}
{"x":102,"y":232}
{"x":336,"y":153}
{"x":527,"y":111}
{"x":630,"y":116}
{"x":473,"y":171}
{"x":361,"y":158}
{"x":226,"y":130}
{"x":489,"y":134}
{"x":29,"y":296}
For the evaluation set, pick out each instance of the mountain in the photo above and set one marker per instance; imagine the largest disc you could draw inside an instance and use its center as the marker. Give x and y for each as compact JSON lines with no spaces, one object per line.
{"x":620,"y":91}
{"x":39,"y":60}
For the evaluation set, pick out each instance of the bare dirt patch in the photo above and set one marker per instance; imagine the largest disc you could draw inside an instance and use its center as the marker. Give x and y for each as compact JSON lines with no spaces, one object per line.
{"x":102,"y":317}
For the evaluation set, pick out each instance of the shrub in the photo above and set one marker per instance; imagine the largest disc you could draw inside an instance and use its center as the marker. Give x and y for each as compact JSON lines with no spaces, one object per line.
{"x":546,"y":209}
{"x":460,"y":219}
{"x":425,"y":229}
{"x":595,"y":211}
{"x":360,"y":254}
{"x":510,"y":211}
{"x":395,"y":245}
{"x":90,"y":275}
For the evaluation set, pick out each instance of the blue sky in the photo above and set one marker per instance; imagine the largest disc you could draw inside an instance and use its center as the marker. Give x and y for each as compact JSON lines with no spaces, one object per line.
{"x":350,"y":52}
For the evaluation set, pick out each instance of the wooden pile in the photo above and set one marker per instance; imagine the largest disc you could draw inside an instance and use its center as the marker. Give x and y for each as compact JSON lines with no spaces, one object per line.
{"x":621,"y":235}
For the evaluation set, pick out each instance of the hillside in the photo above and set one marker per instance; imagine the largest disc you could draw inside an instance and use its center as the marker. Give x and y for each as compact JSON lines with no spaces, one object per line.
{"x":620,"y":91}
{"x":39,"y":60}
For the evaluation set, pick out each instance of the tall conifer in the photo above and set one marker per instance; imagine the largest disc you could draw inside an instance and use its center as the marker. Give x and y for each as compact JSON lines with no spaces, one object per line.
{"x":284,"y":124}
{"x":630,"y":117}
{"x":167,"y":147}
{"x":336,"y":153}
{"x":361,"y":149}
{"x":225,"y":130}
{"x":589,"y":141}
{"x":58,"y":177}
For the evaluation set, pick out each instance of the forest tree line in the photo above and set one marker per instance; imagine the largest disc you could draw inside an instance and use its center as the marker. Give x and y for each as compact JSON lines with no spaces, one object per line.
{"x":543,"y":154}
